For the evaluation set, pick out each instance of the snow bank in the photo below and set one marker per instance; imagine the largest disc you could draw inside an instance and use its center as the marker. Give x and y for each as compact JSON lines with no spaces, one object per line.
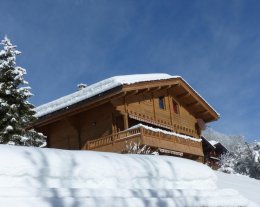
{"x":23,"y":166}
{"x":60,"y":178}
{"x":119,"y":198}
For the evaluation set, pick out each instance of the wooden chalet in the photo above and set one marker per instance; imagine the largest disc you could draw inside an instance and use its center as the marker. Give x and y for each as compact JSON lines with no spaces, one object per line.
{"x":158,"y":110}
{"x":213,"y":151}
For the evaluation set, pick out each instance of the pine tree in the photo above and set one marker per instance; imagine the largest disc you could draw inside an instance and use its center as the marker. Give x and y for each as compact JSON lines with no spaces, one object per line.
{"x":16,"y":113}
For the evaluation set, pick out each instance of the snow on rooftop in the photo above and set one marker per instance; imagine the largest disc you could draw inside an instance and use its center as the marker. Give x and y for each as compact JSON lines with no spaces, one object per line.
{"x":101,"y":87}
{"x":96,"y":89}
{"x":213,"y":142}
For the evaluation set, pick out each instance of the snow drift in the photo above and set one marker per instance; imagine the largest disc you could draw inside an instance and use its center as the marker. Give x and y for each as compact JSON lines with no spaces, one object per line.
{"x":63,"y":169}
{"x":49,"y":177}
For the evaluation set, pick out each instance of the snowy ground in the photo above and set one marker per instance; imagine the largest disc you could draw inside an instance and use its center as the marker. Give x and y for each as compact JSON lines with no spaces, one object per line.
{"x":60,"y":178}
{"x":248,"y":187}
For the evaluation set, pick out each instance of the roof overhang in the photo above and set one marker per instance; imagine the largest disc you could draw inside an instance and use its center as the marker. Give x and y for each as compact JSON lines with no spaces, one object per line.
{"x":183,"y":93}
{"x":80,"y":106}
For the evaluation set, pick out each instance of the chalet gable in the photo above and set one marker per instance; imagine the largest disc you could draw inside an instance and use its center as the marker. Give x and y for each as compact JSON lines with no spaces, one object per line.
{"x":181,"y":91}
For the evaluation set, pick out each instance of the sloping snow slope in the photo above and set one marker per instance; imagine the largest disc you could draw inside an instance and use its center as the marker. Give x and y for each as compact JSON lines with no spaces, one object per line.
{"x":248,"y":187}
{"x":49,"y":177}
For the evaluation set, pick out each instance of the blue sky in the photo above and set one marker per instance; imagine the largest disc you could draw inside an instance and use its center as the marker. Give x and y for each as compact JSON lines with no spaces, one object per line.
{"x":214,"y":45}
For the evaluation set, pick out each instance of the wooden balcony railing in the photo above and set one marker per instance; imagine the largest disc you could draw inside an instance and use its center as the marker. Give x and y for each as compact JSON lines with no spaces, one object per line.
{"x":138,"y":132}
{"x":92,"y":144}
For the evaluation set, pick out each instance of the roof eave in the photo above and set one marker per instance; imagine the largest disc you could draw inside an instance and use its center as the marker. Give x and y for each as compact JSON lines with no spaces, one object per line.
{"x":124,"y":89}
{"x":215,"y":115}
{"x":77,"y":107}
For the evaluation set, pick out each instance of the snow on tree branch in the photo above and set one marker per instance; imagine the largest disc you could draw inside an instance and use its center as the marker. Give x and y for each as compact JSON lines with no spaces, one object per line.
{"x":16,"y":113}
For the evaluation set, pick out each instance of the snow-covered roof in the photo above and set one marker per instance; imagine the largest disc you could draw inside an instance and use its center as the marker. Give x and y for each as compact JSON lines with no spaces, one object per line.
{"x":100,"y":87}
{"x":213,"y":142}
{"x":96,"y":89}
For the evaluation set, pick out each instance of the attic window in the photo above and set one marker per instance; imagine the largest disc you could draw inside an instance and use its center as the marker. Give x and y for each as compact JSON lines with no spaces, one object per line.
{"x":175,"y":107}
{"x":161,"y":102}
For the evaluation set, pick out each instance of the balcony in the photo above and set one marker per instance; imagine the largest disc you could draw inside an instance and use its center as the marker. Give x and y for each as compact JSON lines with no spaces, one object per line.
{"x":154,"y":138}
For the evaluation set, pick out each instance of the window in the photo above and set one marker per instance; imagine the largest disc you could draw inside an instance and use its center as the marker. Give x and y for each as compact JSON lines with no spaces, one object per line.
{"x":161,"y":102}
{"x":175,"y":107}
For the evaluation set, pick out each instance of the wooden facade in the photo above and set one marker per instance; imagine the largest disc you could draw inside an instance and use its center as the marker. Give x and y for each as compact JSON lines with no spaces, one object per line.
{"x":104,"y":122}
{"x":212,"y":153}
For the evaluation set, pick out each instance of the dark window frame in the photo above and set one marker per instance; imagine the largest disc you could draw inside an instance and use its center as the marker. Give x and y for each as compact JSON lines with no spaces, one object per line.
{"x":175,"y":107}
{"x":161,"y":100}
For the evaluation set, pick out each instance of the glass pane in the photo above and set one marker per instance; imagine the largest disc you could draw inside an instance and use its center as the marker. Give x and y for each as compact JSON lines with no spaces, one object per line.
{"x":161,"y":102}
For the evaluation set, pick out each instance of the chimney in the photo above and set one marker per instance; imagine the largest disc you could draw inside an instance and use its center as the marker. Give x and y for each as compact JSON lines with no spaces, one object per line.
{"x":81,"y":86}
